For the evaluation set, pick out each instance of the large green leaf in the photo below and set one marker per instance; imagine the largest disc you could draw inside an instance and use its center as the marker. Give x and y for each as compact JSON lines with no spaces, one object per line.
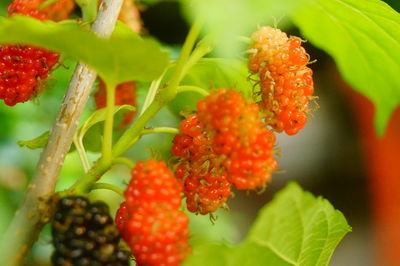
{"x":296,"y":228}
{"x":124,"y":57}
{"x":364,"y":39}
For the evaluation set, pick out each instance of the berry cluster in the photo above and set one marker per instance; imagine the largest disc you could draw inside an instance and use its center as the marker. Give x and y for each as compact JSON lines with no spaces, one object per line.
{"x":239,"y":136}
{"x":285,"y":80}
{"x":225,"y":143}
{"x":23,"y":68}
{"x":150,"y":222}
{"x":125,"y":93}
{"x":84,"y":234}
{"x":206,"y":186}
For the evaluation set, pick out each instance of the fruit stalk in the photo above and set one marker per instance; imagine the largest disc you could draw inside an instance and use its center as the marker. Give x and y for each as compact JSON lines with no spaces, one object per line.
{"x":35,"y":209}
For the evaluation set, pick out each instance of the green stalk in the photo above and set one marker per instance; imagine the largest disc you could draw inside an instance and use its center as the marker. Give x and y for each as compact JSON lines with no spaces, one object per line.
{"x":170,"y":130}
{"x":124,"y":161}
{"x":82,"y":153}
{"x":193,"y":89}
{"x":84,"y":184}
{"x":109,"y":124}
{"x":164,"y":95}
{"x":108,"y":187}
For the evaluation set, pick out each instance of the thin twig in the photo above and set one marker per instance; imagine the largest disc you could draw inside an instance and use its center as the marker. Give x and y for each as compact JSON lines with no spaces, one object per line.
{"x":35,"y":209}
{"x":108,"y":187}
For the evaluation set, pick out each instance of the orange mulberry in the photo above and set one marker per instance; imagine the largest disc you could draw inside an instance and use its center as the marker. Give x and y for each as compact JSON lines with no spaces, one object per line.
{"x":285,"y":80}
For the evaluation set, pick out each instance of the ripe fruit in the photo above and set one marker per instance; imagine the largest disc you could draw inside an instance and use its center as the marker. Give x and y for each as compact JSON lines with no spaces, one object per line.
{"x":27,"y":8}
{"x":125,"y":93}
{"x":84,"y":234}
{"x":285,"y":80}
{"x":149,"y":220}
{"x":23,"y":69}
{"x":60,"y":10}
{"x":152,"y":183}
{"x":239,"y":137}
{"x":157,"y":235}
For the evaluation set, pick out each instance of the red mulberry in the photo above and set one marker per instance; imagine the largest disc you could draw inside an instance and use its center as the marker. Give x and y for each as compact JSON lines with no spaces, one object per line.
{"x":149,"y":220}
{"x":23,"y":69}
{"x":239,"y":137}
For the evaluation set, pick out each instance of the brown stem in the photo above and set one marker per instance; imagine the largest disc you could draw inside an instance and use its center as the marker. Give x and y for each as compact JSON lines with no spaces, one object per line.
{"x":35,"y":209}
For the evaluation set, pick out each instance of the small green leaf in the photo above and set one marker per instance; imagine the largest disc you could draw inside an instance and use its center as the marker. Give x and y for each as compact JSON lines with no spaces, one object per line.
{"x":89,"y":9}
{"x":294,"y":229}
{"x":36,"y":143}
{"x":212,"y":73}
{"x":364,"y":39}
{"x":93,"y":139}
{"x":141,"y":59}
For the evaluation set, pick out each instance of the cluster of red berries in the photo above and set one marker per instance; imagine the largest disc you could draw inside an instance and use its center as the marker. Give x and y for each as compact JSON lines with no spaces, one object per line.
{"x":23,"y":68}
{"x":150,"y":220}
{"x":225,"y":143}
{"x":285,"y":80}
{"x":125,"y":93}
{"x":206,"y":186}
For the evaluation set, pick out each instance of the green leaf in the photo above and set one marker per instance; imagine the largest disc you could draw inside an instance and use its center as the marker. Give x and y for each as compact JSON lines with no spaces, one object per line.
{"x":36,"y":143}
{"x":294,"y":229}
{"x":3,"y":7}
{"x":364,"y":39}
{"x":210,"y":254}
{"x":92,"y":138}
{"x":124,"y":57}
{"x":212,"y":73}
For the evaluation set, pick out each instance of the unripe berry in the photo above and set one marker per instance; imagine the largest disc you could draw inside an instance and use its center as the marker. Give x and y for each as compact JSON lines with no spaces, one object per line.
{"x":285,"y":80}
